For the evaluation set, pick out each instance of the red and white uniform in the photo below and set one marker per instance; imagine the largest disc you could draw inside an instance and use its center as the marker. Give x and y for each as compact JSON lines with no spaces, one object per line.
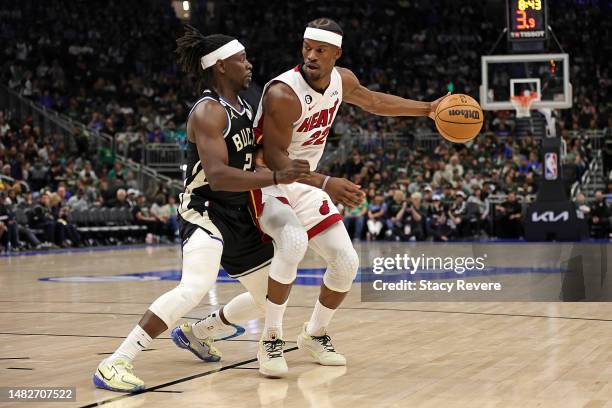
{"x":312,"y":205}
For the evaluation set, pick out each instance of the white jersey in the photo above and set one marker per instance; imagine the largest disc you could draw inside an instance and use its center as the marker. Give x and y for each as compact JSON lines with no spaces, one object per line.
{"x":318,"y":112}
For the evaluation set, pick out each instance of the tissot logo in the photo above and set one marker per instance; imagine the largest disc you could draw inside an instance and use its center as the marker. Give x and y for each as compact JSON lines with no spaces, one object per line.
{"x":550,"y":216}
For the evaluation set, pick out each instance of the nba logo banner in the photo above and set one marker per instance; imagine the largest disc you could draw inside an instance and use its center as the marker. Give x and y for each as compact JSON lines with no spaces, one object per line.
{"x":550,"y":166}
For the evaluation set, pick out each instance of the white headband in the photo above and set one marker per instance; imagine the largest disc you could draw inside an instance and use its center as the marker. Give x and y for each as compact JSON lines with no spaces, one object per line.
{"x":223,"y":52}
{"x":317,"y":34}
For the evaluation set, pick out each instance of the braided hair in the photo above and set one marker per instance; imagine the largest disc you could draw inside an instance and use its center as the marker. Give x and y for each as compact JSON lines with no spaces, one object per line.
{"x":191,"y":47}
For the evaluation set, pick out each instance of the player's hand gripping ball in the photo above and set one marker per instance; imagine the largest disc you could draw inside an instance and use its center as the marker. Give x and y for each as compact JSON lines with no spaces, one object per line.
{"x":459,"y":118}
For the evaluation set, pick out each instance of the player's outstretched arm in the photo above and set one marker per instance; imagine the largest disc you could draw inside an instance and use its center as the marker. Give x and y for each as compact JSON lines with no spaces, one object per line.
{"x":209,"y":121}
{"x":380,"y":103}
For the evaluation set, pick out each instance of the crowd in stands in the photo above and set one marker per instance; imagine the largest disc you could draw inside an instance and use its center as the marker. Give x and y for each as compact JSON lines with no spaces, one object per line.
{"x":122,"y":79}
{"x":445,"y":194}
{"x":43,"y":185}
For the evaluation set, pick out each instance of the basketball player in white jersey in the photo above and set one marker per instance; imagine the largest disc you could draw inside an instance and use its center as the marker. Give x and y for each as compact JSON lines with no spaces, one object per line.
{"x":293,"y":120}
{"x":215,"y":224}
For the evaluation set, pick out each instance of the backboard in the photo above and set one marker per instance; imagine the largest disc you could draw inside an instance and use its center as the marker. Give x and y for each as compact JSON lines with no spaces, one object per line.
{"x":505,"y":76}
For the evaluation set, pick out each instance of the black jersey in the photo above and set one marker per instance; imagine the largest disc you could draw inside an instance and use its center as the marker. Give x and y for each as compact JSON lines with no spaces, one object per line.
{"x":238,"y":137}
{"x":223,"y":214}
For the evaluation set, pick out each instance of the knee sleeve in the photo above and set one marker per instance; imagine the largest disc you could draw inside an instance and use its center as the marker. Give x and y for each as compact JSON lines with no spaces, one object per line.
{"x":335,"y":246}
{"x":341,"y":270}
{"x":290,"y":247}
{"x":201,"y":259}
{"x":290,"y":240}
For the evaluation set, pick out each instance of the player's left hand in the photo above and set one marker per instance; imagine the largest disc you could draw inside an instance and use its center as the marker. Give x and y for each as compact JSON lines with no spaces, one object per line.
{"x":434,"y":106}
{"x":345,"y":192}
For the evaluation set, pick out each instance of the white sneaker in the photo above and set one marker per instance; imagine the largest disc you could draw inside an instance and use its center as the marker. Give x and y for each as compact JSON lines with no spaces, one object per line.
{"x":320,"y":348}
{"x":270,"y":356}
{"x":117,"y":375}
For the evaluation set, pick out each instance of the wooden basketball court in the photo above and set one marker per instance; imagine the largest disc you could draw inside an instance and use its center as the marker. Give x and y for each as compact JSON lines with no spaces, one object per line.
{"x":400,"y":354}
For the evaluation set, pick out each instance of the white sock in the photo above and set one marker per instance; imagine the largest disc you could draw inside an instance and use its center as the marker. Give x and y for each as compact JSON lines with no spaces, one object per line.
{"x":273,"y":328}
{"x":135,"y":342}
{"x":210,"y":326}
{"x":321,"y":316}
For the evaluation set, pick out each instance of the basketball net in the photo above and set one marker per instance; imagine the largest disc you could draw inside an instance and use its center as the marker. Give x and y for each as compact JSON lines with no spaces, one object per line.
{"x":522,"y":104}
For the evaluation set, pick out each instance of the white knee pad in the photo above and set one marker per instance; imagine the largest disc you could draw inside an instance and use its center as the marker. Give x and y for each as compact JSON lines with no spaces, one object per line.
{"x":342,"y":266}
{"x":201,"y":259}
{"x":290,"y":240}
{"x":290,"y":247}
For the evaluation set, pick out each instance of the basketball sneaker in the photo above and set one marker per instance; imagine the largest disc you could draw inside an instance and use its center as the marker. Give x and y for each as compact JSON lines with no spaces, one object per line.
{"x":184,"y":338}
{"x":320,"y":348}
{"x":117,"y":375}
{"x":270,"y":356}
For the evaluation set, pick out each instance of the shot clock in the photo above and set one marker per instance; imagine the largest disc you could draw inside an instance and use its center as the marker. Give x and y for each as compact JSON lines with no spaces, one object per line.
{"x":527,"y":20}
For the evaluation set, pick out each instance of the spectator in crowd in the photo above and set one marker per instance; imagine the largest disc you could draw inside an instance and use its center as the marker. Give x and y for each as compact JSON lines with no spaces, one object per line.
{"x":440,"y":225}
{"x":9,"y":237}
{"x":132,"y":195}
{"x":88,"y":173}
{"x":404,"y":218}
{"x":117,"y":172}
{"x":376,"y":213}
{"x":478,"y":206}
{"x":162,"y":211}
{"x":600,"y":217}
{"x":78,"y":202}
{"x":355,"y":217}
{"x":120,"y":199}
{"x":509,"y":217}
{"x":142,"y":216}
{"x":458,"y":213}
{"x":582,"y":209}
{"x":41,"y":217}
{"x":414,"y":217}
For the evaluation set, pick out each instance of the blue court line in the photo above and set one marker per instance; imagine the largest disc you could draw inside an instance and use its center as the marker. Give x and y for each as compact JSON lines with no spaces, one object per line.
{"x":312,"y":276}
{"x":88,"y":249}
{"x":362,"y":243}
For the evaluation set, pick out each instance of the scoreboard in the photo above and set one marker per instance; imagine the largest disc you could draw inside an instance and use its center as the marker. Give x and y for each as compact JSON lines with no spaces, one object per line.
{"x":527,"y":20}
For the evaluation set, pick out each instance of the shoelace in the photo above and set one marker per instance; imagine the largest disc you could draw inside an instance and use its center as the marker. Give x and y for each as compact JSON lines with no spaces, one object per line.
{"x":325,"y":341}
{"x":274,"y":348}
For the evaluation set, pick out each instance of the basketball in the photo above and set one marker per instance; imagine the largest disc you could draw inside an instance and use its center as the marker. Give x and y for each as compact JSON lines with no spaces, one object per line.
{"x":459,"y":118}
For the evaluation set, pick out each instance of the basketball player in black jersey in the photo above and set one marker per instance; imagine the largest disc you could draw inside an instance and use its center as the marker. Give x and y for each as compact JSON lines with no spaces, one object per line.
{"x":216,"y":227}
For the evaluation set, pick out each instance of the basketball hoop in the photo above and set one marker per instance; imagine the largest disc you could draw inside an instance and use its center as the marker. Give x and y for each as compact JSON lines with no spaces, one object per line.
{"x":522,"y":104}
